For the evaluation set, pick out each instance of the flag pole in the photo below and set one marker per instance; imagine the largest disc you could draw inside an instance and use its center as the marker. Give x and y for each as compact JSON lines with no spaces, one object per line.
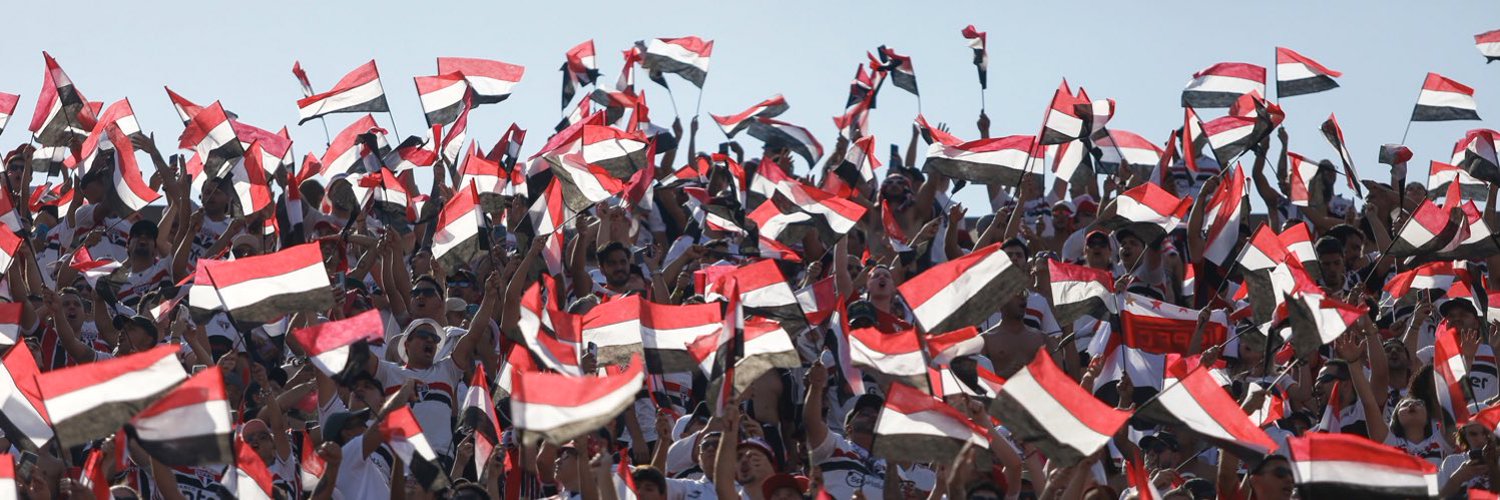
{"x":698,"y":107}
{"x":328,"y":138}
{"x":1409,"y":118}
{"x":673,"y":98}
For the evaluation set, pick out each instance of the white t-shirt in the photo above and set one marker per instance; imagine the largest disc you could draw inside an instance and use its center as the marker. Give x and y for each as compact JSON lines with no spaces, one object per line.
{"x":696,"y":489}
{"x":847,"y":466}
{"x":1433,"y":448}
{"x":363,"y":476}
{"x":208,"y":236}
{"x":435,"y":391}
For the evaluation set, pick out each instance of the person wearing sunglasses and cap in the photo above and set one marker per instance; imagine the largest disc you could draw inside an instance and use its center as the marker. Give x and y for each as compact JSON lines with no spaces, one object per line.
{"x":437,"y":371}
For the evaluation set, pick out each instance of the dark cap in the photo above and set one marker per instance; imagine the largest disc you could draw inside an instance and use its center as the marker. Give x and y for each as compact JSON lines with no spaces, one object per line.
{"x":861,"y":310}
{"x":1160,"y":440}
{"x":143,"y":228}
{"x":339,"y":421}
{"x":120,"y":322}
{"x":865,"y":402}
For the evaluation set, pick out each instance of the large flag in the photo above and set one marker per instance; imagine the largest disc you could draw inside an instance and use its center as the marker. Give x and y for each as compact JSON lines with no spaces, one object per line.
{"x":489,"y":81}
{"x":328,"y":345}
{"x":994,"y":161}
{"x":963,"y":291}
{"x":1297,"y":75}
{"x":769,"y":108}
{"x":558,"y":408}
{"x":93,"y":400}
{"x":687,"y":57}
{"x":1146,"y":210}
{"x":976,"y":41}
{"x":23,"y":416}
{"x":1199,"y":403}
{"x":914,"y":426}
{"x":1349,"y":466}
{"x":1079,"y":291}
{"x":442,"y":96}
{"x":1043,"y":406}
{"x":263,"y":288}
{"x":1220,"y":85}
{"x":459,"y":228}
{"x":190,"y":425}
{"x":358,"y":92}
{"x":1443,"y":100}
{"x":1158,"y":327}
{"x":896,"y":356}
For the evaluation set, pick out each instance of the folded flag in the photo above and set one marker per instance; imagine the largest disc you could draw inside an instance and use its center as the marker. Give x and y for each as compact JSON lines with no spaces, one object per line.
{"x":976,"y":41}
{"x":943,"y":348}
{"x":769,"y":108}
{"x":578,"y":70}
{"x":62,"y":112}
{"x":328,"y":346}
{"x":1335,"y":136}
{"x":1079,"y":291}
{"x":1475,"y":153}
{"x":93,"y":400}
{"x":1441,"y":175}
{"x":1064,"y":122}
{"x":1443,"y":100}
{"x":898,"y":66}
{"x":358,"y":92}
{"x":23,"y":415}
{"x":403,"y":434}
{"x":1223,"y":217}
{"x":921,"y":428}
{"x":1349,"y":466}
{"x":1297,"y":75}
{"x":262,"y":288}
{"x":687,"y":57}
{"x":190,"y":425}
{"x":994,"y":161}
{"x":1220,"y":85}
{"x":489,"y":81}
{"x":963,"y":291}
{"x":778,"y":134}
{"x":1451,"y":375}
{"x":1146,"y":210}
{"x":1198,"y":403}
{"x":892,"y":356}
{"x":859,"y":163}
{"x":558,"y":408}
{"x":1044,"y":406}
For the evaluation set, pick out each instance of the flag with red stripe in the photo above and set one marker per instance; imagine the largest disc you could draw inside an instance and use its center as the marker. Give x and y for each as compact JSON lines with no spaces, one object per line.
{"x":558,"y":408}
{"x":489,"y":81}
{"x":1296,"y":74}
{"x":358,"y":92}
{"x":914,"y":426}
{"x":262,"y":288}
{"x":1220,"y":85}
{"x":1443,"y":99}
{"x":1045,"y":407}
{"x":963,"y":291}
{"x":92,"y":400}
{"x":1349,"y":466}
{"x":189,"y":425}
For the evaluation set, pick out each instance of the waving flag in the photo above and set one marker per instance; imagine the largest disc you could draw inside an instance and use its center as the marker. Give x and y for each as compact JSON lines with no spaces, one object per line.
{"x":1450,"y":374}
{"x":23,"y":415}
{"x":769,"y":108}
{"x":1475,"y":153}
{"x":133,"y":191}
{"x":403,"y":434}
{"x":1079,"y":291}
{"x":329,"y":345}
{"x":1349,"y":466}
{"x":1146,"y":210}
{"x":1300,"y":175}
{"x":211,"y":134}
{"x":302,"y":80}
{"x":93,"y":400}
{"x":1429,"y":229}
{"x":1043,"y":406}
{"x":963,"y":291}
{"x":263,"y":288}
{"x":458,"y":228}
{"x":248,"y":476}
{"x":766,"y":346}
{"x":1120,"y":147}
{"x":442,"y":96}
{"x":1223,"y":217}
{"x":897,"y":356}
{"x":358,"y":92}
{"x":1157,"y":327}
{"x":1063,"y":122}
{"x":1297,"y":75}
{"x":1198,"y":403}
{"x":578,"y":70}
{"x":763,"y":291}
{"x":7,"y":107}
{"x":994,"y":161}
{"x":478,"y":416}
{"x":1444,"y":100}
{"x":1488,"y":44}
{"x":859,"y":164}
{"x":918,"y":427}
{"x":615,"y":327}
{"x":344,"y":153}
{"x":687,"y":57}
{"x":558,"y":408}
{"x":898,"y":66}
{"x":976,"y":41}
{"x":1223,"y":83}
{"x":1335,"y":136}
{"x":1440,"y":175}
{"x":189,"y":425}
{"x":62,"y":112}
{"x":943,"y":348}
{"x":490,"y":81}
{"x":779,"y":134}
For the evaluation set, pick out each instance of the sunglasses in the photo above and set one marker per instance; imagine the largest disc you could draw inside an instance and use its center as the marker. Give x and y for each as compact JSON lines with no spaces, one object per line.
{"x":459,"y":283}
{"x":425,"y":334}
{"x":424,"y":292}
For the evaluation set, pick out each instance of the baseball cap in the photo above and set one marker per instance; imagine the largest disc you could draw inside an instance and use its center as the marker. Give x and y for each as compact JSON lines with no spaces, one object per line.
{"x":781,"y":481}
{"x":764,"y":448}
{"x":339,"y":421}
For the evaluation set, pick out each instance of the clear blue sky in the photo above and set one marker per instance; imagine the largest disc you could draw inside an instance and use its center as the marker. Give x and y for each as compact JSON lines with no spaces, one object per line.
{"x":1139,"y":53}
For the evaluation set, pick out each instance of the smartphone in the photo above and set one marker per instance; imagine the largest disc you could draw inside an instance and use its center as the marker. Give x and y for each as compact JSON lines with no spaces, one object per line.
{"x":199,"y":368}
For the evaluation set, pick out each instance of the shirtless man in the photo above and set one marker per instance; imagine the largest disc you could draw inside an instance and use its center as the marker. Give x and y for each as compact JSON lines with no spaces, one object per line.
{"x":1011,"y":344}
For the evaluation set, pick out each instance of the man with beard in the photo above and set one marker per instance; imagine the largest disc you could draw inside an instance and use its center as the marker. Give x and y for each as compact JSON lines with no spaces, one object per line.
{"x":844,"y":459}
{"x":145,"y":268}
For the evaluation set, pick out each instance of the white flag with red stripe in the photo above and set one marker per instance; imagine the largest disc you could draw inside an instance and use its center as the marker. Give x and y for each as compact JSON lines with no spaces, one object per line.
{"x":190,"y":425}
{"x":1220,"y":85}
{"x":688,"y":57}
{"x":1349,"y":466}
{"x":559,"y":408}
{"x":359,"y":91}
{"x":23,"y":415}
{"x":769,"y":108}
{"x":1296,"y":74}
{"x":898,"y":356}
{"x":914,"y":426}
{"x":1044,"y":406}
{"x":1450,"y":375}
{"x":1146,"y":210}
{"x":93,"y":400}
{"x":1079,"y":291}
{"x":403,"y":434}
{"x":490,"y":81}
{"x":329,"y":345}
{"x":248,"y":477}
{"x":1443,"y":99}
{"x":963,"y":291}
{"x":262,"y":288}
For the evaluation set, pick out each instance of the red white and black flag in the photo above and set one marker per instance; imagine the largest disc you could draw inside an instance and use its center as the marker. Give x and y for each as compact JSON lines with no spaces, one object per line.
{"x":442,"y":96}
{"x":1044,"y":406}
{"x":1451,"y":375}
{"x":190,"y":425}
{"x":489,"y":81}
{"x":1220,"y":85}
{"x":779,"y":134}
{"x":558,"y":408}
{"x":7,"y":108}
{"x":403,"y":434}
{"x":1296,"y":74}
{"x":687,"y":57}
{"x":23,"y":416}
{"x":943,"y":348}
{"x":921,"y":428}
{"x":358,"y":92}
{"x":769,"y":108}
{"x":302,"y":80}
{"x":578,"y":70}
{"x":459,"y":228}
{"x":1488,"y":44}
{"x":859,"y":164}
{"x":976,"y":41}
{"x":1198,"y":403}
{"x":963,"y":291}
{"x":93,"y":400}
{"x":1440,"y":175}
{"x":1475,"y":153}
{"x":1223,"y":217}
{"x":1146,"y":210}
{"x":1079,"y":291}
{"x":1064,"y":122}
{"x":1443,"y":100}
{"x":994,"y":161}
{"x":62,"y":112}
{"x":478,"y":416}
{"x":262,"y":288}
{"x":892,"y":356}
{"x":248,"y":477}
{"x":1429,"y":229}
{"x":329,"y":345}
{"x":132,"y":190}
{"x":765,"y":346}
{"x":1349,"y":466}
{"x":211,"y":134}
{"x":898,"y":66}
{"x":1335,"y":136}
{"x":345,"y":150}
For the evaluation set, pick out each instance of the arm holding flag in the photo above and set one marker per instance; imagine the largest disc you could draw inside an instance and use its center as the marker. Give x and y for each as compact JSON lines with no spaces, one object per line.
{"x":725,"y":460}
{"x":812,"y":406}
{"x":372,"y":438}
